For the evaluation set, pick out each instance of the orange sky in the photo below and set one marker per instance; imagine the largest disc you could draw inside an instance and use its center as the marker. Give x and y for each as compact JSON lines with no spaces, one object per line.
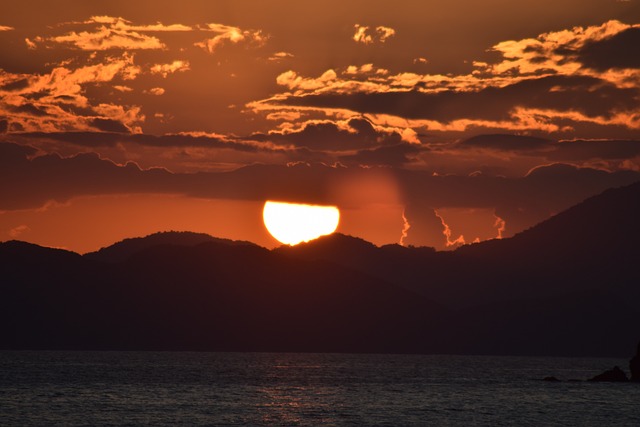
{"x":125,"y":118}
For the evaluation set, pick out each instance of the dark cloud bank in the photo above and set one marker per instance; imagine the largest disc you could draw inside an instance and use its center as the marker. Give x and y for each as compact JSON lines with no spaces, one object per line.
{"x":521,"y":202}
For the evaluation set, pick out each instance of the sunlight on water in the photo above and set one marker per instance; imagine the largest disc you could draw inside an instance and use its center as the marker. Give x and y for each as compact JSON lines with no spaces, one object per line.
{"x":94,"y":388}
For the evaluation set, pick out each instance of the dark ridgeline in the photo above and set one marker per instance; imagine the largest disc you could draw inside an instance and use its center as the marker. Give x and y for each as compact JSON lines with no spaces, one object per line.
{"x":568,"y":286}
{"x":120,"y":251}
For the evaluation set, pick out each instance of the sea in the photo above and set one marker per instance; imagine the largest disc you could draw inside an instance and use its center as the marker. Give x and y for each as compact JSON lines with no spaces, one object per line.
{"x":289,"y":389}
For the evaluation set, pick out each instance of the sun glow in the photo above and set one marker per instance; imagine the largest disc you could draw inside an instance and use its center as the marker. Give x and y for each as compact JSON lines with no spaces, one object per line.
{"x":292,"y":223}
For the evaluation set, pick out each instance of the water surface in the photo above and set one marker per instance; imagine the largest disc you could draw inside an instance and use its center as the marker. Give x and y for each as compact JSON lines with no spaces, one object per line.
{"x":161,"y":388}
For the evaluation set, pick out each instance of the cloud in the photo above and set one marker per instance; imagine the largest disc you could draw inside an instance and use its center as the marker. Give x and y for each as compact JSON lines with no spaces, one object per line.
{"x":156,"y":91}
{"x":397,"y":155}
{"x":125,"y":25}
{"x":18,"y":231}
{"x":109,"y":38}
{"x":280,"y":56}
{"x":366,"y":35}
{"x":355,"y":140}
{"x":505,"y":142}
{"x":228,"y":34}
{"x":520,"y":202}
{"x":602,"y":153}
{"x":354,"y":70}
{"x":384,"y":33}
{"x":458,"y":241}
{"x":109,"y":125}
{"x":109,"y":33}
{"x":165,"y":69}
{"x":333,"y":136}
{"x":293,"y":81}
{"x":607,"y":52}
{"x":547,"y":103}
{"x":122,"y":88}
{"x":620,"y":50}
{"x":580,"y":150}
{"x":188,"y":152}
{"x":560,"y":83}
{"x":6,"y":28}
{"x":517,"y":202}
{"x":57,"y":101}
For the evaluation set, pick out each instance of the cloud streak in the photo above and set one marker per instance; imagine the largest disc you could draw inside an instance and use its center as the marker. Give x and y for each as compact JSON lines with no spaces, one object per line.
{"x":177,"y":66}
{"x":226,"y":34}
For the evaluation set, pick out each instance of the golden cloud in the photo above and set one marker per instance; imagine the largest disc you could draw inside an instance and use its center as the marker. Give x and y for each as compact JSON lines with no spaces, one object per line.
{"x":165,"y":69}
{"x":366,"y":35}
{"x":156,"y":91}
{"x":112,"y":33}
{"x":125,"y":25}
{"x":229,"y":34}
{"x":109,"y":38}
{"x":61,"y":103}
{"x":279,"y":56}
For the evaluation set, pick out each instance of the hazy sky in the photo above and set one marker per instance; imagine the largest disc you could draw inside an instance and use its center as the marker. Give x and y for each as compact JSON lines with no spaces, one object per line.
{"x":425,"y":122}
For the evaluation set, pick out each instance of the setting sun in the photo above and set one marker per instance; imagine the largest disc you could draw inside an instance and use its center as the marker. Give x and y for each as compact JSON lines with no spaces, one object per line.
{"x":292,"y":223}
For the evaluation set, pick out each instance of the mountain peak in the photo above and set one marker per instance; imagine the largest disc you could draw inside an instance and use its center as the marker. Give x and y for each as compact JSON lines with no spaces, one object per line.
{"x":598,"y":224}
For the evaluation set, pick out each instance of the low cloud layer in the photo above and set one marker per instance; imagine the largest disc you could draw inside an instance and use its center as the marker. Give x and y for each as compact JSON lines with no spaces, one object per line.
{"x":517,"y":203}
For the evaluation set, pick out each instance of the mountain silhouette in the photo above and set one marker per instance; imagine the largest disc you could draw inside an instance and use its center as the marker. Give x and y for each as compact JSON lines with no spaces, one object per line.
{"x":568,"y":286}
{"x":215,"y":295}
{"x":122,"y":250}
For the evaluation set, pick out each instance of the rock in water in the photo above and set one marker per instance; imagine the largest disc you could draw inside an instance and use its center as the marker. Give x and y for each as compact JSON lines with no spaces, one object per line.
{"x":634,"y":365}
{"x":612,"y":375}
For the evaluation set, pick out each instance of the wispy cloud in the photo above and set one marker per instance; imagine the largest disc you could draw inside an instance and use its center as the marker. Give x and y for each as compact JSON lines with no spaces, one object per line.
{"x":280,"y":56}
{"x":16,"y":232}
{"x":125,"y":25}
{"x":228,"y":34}
{"x":114,"y":33}
{"x":165,"y":69}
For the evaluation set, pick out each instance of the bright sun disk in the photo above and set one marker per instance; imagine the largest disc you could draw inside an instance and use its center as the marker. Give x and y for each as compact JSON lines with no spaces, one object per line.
{"x":293,"y":223}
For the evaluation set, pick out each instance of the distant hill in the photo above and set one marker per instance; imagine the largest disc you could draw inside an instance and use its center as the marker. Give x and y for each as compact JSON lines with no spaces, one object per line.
{"x":127,"y":247}
{"x":568,"y":286}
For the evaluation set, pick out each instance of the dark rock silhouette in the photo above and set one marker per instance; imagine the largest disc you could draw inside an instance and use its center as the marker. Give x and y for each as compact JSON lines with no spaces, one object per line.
{"x":634,"y":365}
{"x":612,"y":375}
{"x":551,"y":379}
